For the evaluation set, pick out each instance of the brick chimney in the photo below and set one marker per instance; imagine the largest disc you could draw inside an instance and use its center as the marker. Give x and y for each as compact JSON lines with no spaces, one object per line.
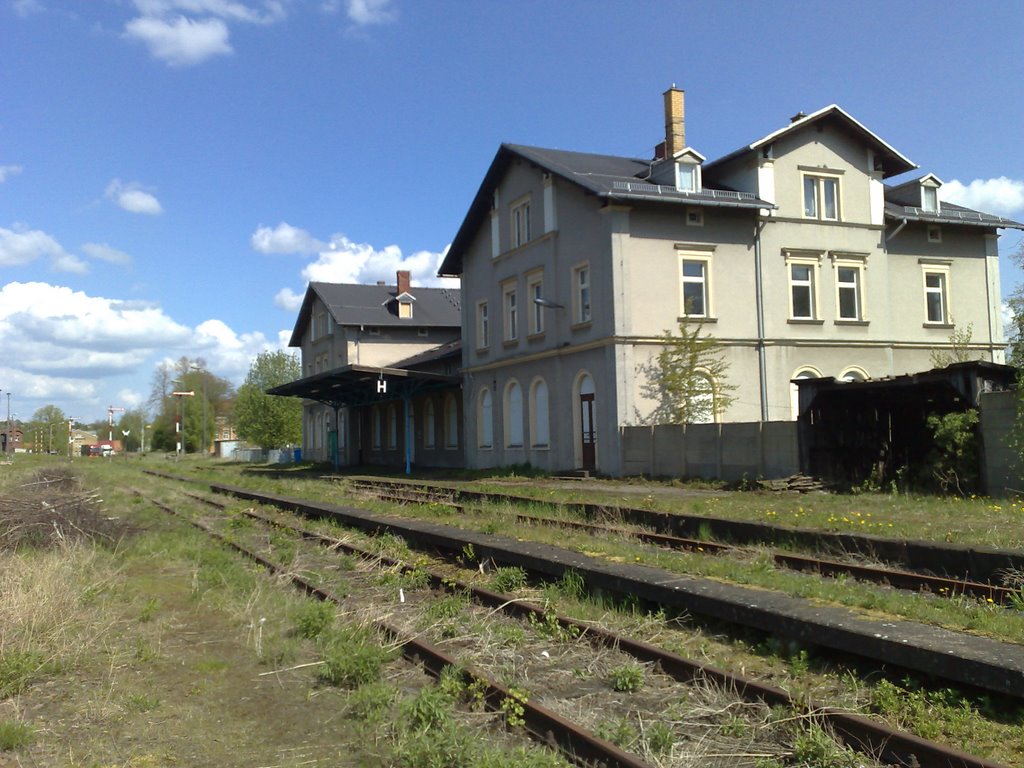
{"x":404,"y":280}
{"x":675,"y":123}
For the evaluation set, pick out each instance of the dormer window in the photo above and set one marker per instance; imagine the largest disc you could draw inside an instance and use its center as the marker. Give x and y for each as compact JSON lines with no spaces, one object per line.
{"x":688,"y":177}
{"x":930,"y":193}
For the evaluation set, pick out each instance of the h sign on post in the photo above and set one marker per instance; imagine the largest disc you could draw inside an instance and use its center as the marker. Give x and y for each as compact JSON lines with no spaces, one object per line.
{"x":382,"y":386}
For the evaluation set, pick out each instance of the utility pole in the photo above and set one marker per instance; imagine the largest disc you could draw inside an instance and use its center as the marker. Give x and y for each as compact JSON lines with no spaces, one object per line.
{"x":110,"y":424}
{"x":180,"y":426}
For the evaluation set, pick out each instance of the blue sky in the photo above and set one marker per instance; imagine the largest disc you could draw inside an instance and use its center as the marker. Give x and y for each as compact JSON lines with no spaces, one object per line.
{"x":173,"y":172}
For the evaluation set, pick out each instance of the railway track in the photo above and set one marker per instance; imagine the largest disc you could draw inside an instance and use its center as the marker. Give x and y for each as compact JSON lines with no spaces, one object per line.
{"x":979,"y":569}
{"x":899,"y":579}
{"x":866,"y":735}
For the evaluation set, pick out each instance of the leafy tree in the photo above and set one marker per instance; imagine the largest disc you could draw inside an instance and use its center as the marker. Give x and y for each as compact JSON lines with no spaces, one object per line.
{"x":212,"y":397}
{"x":687,"y":380}
{"x":52,"y":426}
{"x":954,"y":456}
{"x":266,"y":420}
{"x":959,"y":350}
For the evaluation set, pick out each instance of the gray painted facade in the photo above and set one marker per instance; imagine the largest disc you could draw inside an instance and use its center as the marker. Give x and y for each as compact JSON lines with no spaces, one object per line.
{"x":803,"y":263}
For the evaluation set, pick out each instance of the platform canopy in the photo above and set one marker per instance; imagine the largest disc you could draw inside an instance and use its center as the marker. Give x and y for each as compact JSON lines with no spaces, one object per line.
{"x":357,"y":385}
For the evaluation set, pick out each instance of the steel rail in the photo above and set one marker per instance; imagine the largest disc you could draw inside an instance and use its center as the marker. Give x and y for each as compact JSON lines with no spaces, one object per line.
{"x":899,"y":579}
{"x":546,"y":726}
{"x":857,"y":731}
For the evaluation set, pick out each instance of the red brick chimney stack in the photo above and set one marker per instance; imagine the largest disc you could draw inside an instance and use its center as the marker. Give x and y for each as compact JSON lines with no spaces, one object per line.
{"x":404,"y":280}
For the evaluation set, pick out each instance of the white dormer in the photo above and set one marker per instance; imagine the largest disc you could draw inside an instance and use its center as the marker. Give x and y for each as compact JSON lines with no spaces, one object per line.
{"x":930,"y":193}
{"x":405,"y":302}
{"x":682,"y":171}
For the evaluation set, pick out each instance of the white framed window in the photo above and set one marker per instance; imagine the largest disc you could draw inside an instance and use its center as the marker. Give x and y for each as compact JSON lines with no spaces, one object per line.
{"x":695,"y":217}
{"x":405,"y":310}
{"x":429,"y":430}
{"x":930,"y":199}
{"x":801,"y":294}
{"x":513,"y":415}
{"x":821,"y":197}
{"x":510,"y":301}
{"x":483,"y":326}
{"x":802,"y":272}
{"x":451,"y":422}
{"x":520,"y":221}
{"x":694,"y":273}
{"x":934,"y":233}
{"x":688,"y":177}
{"x":581,"y":310}
{"x":936,"y":296}
{"x":484,"y":419}
{"x":535,"y":292}
{"x":540,"y":431}
{"x":849,"y":279}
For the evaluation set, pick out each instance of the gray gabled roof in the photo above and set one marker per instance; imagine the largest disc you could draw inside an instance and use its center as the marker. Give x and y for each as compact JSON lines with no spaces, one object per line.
{"x":894,"y":162}
{"x":613,"y":178}
{"x":948,"y":214}
{"x":377,"y":305}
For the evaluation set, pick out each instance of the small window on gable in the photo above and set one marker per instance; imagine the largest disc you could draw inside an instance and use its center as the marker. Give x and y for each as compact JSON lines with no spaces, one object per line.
{"x":405,"y":310}
{"x":422,"y":332}
{"x":695,"y":217}
{"x":930,"y":199}
{"x":520,"y":221}
{"x":934,"y":233}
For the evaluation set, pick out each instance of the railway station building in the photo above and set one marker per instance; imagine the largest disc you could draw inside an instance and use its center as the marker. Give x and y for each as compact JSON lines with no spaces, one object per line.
{"x":816,"y":250}
{"x":380,"y":382}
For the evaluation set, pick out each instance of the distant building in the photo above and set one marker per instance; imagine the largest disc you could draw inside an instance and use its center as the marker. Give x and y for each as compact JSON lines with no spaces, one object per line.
{"x":380,"y":374}
{"x":11,"y":441}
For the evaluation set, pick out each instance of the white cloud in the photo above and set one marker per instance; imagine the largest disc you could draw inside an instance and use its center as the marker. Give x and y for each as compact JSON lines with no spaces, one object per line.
{"x":366,"y":12}
{"x":6,"y":171}
{"x":226,"y":352}
{"x":21,"y":245}
{"x":50,"y":328}
{"x":133,"y":198}
{"x":25,"y":8}
{"x":180,"y":41}
{"x":104,"y":252}
{"x":284,"y":238}
{"x":1001,"y":196}
{"x":288,"y":300}
{"x":348,"y":262}
{"x":187,"y":32}
{"x":130,"y":399}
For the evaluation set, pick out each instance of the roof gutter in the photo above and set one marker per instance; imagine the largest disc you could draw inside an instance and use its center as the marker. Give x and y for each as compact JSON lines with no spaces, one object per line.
{"x":748,"y":205}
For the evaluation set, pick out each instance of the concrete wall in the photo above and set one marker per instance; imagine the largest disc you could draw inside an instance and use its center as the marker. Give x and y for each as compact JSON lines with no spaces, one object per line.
{"x":713,"y":451}
{"x":1001,"y":469}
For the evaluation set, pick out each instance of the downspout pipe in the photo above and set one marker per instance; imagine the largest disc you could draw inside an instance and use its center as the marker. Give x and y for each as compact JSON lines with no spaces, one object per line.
{"x":762,"y":366}
{"x":896,"y":231}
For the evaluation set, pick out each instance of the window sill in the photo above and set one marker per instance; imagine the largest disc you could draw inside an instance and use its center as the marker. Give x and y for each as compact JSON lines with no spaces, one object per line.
{"x":804,"y":321}
{"x":485,"y":447}
{"x":483,"y":350}
{"x":516,"y":447}
{"x":939,"y":326}
{"x":864,"y":323}
{"x":509,"y":343}
{"x":581,"y":326}
{"x":543,"y":447}
{"x":538,"y":336}
{"x":696,"y":319}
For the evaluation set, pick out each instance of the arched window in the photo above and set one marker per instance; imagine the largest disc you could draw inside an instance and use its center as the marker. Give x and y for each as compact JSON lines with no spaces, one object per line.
{"x":392,"y":427}
{"x":375,"y":419}
{"x":539,"y":425}
{"x":854,"y":373}
{"x":484,"y":419}
{"x":794,"y":390}
{"x":513,"y":415}
{"x":451,"y":423}
{"x":429,"y":433}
